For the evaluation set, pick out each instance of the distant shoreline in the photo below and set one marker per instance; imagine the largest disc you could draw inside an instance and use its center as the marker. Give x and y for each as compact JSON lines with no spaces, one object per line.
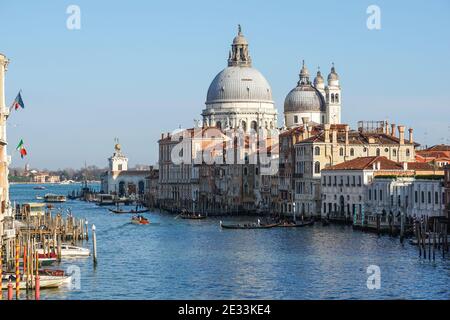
{"x":54,"y":183}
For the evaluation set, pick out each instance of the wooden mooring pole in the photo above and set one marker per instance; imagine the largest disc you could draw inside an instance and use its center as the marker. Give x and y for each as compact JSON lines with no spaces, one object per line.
{"x":94,"y":245}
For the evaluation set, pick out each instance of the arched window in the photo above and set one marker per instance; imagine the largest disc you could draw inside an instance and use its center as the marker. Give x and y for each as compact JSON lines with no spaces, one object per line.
{"x":378,"y":152}
{"x":244,"y":125}
{"x":341,"y":152}
{"x":295,"y":119}
{"x":245,"y":171}
{"x":332,"y":98}
{"x":394,"y":152}
{"x":336,"y":97}
{"x":317,"y":151}
{"x":254,"y":125}
{"x":317,"y":167}
{"x":219,"y":124}
{"x":408,"y":153}
{"x":352,"y":152}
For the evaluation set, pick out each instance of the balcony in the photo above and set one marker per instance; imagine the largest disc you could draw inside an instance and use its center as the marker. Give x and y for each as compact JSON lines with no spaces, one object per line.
{"x":9,"y":233}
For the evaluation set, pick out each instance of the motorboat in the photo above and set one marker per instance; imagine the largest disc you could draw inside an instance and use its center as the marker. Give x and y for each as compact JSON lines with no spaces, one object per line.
{"x":139,"y":220}
{"x":49,"y":197}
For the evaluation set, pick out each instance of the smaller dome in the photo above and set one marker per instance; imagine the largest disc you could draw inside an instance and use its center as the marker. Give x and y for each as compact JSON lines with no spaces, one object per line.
{"x":318,"y":79}
{"x":304,"y":98}
{"x":117,"y":147}
{"x":333,"y":75}
{"x":240,"y":40}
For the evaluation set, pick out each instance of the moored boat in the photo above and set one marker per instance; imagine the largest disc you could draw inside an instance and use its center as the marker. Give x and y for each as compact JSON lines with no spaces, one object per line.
{"x":46,"y":281}
{"x":192,"y":216}
{"x":120,"y":211}
{"x":39,"y":188}
{"x":68,"y":250}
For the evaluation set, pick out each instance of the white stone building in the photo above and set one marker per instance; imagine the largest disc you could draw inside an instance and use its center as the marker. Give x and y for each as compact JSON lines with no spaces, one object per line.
{"x":377,"y":185}
{"x":119,"y":179}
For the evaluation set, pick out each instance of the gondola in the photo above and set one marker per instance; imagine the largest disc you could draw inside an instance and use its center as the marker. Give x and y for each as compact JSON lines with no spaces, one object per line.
{"x":119,"y":211}
{"x":296,"y":224}
{"x":192,"y":216}
{"x":253,"y":225}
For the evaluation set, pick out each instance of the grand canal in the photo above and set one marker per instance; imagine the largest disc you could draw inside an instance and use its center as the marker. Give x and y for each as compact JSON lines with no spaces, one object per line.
{"x":180,"y":259}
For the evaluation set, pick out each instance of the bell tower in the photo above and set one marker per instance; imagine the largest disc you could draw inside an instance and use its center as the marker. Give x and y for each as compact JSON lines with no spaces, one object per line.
{"x":4,"y":159}
{"x":118,"y":162}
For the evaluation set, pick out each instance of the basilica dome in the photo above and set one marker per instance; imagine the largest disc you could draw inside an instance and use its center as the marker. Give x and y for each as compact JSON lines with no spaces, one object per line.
{"x":236,"y":84}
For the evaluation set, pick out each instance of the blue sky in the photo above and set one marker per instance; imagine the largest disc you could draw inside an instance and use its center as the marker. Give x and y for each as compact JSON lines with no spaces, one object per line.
{"x":139,"y":68}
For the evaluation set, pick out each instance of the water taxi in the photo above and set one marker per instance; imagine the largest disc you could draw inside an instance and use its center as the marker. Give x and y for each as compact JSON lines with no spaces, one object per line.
{"x":49,"y":197}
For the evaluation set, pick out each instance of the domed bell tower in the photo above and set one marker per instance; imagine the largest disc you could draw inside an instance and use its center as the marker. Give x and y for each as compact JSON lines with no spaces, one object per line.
{"x":118,"y":162}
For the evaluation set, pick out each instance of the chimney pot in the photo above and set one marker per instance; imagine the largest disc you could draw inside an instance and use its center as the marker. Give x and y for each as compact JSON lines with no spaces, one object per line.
{"x":401,"y":134}
{"x":393,"y":129}
{"x":411,"y":139}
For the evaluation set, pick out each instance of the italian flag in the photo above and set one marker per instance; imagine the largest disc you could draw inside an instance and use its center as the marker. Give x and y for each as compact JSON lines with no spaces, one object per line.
{"x":18,"y":102}
{"x":21,"y":149}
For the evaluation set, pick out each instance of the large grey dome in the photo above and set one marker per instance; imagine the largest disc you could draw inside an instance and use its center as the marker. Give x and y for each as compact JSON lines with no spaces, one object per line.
{"x":304,"y":97}
{"x":234,"y":84}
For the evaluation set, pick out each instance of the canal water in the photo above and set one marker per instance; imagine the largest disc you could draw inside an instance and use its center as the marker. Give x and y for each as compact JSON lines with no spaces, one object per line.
{"x":185,"y":259}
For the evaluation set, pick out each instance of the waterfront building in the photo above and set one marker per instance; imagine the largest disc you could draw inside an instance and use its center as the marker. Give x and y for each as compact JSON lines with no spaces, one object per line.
{"x":376,"y":185}
{"x":44,"y":177}
{"x":447,"y":191}
{"x":119,"y":179}
{"x":319,"y":103}
{"x":336,"y":143}
{"x":438,"y":155}
{"x":7,"y":231}
{"x":152,"y":188}
{"x":240,"y":96}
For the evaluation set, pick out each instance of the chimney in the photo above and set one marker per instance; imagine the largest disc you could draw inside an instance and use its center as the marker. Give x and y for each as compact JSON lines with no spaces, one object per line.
{"x":347,"y":129}
{"x":309,"y":129}
{"x":162,"y":135}
{"x":327,"y":133}
{"x":386,"y":127}
{"x":393,"y":129}
{"x":411,"y":138}
{"x":405,"y":165}
{"x":334,"y":133}
{"x":401,"y":134}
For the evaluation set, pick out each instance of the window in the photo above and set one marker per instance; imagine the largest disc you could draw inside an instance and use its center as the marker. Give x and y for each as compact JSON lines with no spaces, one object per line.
{"x":422,"y":197}
{"x":341,"y":152}
{"x":352,"y":152}
{"x":416,"y":196}
{"x":378,"y":152}
{"x":245,"y":171}
{"x":370,"y":194}
{"x":436,"y":198}
{"x":429,"y":197}
{"x":219,"y":124}
{"x":354,"y":181}
{"x":317,"y":167}
{"x":317,"y":151}
{"x":394,"y":152}
{"x":256,"y":171}
{"x":336,"y":97}
{"x":119,"y":167}
{"x":381,"y":195}
{"x":407,"y":153}
{"x":359,"y":181}
{"x":348,"y":181}
{"x":295,"y":119}
{"x":375,"y":195}
{"x":332,"y":98}
{"x":335,"y":181}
